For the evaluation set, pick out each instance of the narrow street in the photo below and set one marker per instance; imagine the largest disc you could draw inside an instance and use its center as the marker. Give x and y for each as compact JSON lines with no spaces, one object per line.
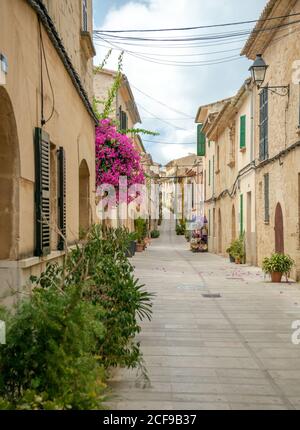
{"x":232,"y":352}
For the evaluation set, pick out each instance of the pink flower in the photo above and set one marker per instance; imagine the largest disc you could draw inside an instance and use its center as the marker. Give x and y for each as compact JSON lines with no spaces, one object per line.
{"x":115,"y":157}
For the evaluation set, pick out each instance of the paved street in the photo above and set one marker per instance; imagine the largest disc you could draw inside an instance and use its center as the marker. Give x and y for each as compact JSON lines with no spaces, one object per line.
{"x":232,"y":352}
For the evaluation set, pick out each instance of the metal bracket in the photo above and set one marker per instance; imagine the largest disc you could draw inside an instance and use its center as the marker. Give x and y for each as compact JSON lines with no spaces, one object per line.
{"x":285,"y":90}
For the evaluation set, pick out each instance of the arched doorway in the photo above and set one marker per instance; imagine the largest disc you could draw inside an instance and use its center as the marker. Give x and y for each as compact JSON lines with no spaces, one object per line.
{"x":84,"y":196}
{"x":9,"y":175}
{"x":233,"y":224}
{"x":279,"y":231}
{"x":219,"y":232}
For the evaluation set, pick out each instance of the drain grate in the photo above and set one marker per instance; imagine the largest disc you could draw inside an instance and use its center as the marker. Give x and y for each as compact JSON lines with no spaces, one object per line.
{"x":189,"y":287}
{"x":211,"y":296}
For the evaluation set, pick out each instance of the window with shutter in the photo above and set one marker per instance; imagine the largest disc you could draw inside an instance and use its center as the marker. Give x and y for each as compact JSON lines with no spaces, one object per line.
{"x":267,"y":197}
{"x":201,"y":141}
{"x":84,"y":15}
{"x":124,"y":121}
{"x":243,"y":132}
{"x":264,"y":119}
{"x":61,"y":197}
{"x":42,"y":193}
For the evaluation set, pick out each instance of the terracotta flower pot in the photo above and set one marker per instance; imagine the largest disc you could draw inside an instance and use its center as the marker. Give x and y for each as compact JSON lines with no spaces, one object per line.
{"x":276,"y":277}
{"x":140,"y":247}
{"x":237,"y":260}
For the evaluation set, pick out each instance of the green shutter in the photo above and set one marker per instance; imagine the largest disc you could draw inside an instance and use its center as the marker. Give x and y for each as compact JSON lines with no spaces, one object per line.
{"x":243,"y":131}
{"x":42,"y":192}
{"x":201,"y":140}
{"x":241,"y":214}
{"x":61,"y":198}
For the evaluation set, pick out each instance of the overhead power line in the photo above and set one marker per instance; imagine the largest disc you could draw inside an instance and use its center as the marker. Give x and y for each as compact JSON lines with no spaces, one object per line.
{"x":169,"y":143}
{"x":161,"y":103}
{"x":207,"y":36}
{"x":198,"y":27}
{"x":159,"y":119}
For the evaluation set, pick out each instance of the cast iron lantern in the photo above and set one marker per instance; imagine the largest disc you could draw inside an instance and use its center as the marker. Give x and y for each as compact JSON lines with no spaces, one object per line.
{"x":258,"y":70}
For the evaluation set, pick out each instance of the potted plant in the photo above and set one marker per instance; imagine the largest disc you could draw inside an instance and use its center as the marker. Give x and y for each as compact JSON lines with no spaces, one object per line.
{"x":230,"y":251}
{"x":141,"y":233}
{"x":180,"y":228}
{"x":278,"y":265}
{"x":238,"y":250}
{"x":131,"y":247}
{"x":155,"y":234}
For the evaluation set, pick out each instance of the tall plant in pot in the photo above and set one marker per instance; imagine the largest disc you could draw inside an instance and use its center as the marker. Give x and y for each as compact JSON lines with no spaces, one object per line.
{"x":141,"y":232}
{"x":278,"y":265}
{"x":237,"y":249}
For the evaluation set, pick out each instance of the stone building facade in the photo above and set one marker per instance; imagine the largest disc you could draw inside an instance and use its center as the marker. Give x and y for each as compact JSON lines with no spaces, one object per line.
{"x":205,"y":118}
{"x":251,"y":155}
{"x":277,"y":145}
{"x":181,"y":187}
{"x":230,"y":184}
{"x":47,"y":134}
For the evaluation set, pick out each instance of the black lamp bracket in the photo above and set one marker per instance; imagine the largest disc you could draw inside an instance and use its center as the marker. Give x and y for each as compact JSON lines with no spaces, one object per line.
{"x":280,"y":90}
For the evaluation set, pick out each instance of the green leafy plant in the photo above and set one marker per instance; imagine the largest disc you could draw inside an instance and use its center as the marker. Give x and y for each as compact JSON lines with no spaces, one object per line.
{"x":181,"y":227}
{"x":155,"y":234}
{"x":281,"y":263}
{"x":141,"y":228}
{"x":80,"y":320}
{"x":50,"y":357}
{"x":237,"y":248}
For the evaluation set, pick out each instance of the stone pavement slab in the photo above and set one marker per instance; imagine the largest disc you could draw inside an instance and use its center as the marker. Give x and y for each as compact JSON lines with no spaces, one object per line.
{"x":232,"y":352}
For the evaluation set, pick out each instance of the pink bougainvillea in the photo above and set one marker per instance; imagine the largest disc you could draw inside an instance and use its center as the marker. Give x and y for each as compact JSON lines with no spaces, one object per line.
{"x":116,"y":157}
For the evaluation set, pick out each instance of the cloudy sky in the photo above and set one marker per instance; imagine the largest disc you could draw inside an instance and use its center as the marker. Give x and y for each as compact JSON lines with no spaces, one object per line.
{"x":180,"y":84}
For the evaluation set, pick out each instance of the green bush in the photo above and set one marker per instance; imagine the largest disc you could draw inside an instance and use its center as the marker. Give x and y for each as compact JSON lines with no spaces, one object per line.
{"x":181,"y":228}
{"x":82,"y":318}
{"x":237,"y":248}
{"x":278,"y":263}
{"x":155,"y":234}
{"x":141,"y":229}
{"x":50,"y":357}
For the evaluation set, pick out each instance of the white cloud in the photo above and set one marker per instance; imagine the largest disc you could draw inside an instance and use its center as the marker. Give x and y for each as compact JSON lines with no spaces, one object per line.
{"x":183,"y":88}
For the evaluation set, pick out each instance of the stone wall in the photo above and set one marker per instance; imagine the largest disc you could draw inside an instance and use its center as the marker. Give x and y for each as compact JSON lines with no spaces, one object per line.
{"x":71,"y":126}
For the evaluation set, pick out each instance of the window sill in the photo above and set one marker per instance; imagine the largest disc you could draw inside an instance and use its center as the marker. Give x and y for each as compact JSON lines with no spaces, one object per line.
{"x":87,"y":44}
{"x":231,"y":163}
{"x":243,"y":149}
{"x":26,"y":263}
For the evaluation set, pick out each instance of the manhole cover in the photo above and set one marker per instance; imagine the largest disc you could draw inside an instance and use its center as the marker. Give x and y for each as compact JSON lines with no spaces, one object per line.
{"x":211,"y":296}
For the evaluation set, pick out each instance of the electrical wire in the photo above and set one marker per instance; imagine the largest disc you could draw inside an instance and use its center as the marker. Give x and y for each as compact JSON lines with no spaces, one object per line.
{"x":43,"y":55}
{"x":207,"y":36}
{"x":169,"y":143}
{"x":199,"y":27}
{"x":159,"y":119}
{"x":175,"y":64}
{"x":161,"y":103}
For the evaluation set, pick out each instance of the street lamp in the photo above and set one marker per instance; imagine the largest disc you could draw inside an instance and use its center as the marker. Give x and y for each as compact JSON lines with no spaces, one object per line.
{"x":258,"y":71}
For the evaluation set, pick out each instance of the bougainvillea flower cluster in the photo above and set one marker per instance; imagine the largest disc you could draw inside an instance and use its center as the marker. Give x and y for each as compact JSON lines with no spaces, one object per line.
{"x":116,"y":157}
